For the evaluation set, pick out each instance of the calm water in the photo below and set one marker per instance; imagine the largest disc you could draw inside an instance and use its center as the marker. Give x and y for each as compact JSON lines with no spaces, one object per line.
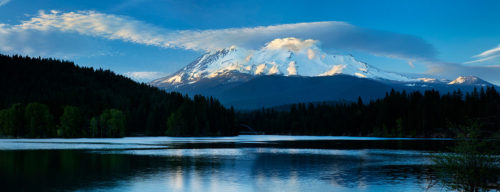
{"x":243,"y":163}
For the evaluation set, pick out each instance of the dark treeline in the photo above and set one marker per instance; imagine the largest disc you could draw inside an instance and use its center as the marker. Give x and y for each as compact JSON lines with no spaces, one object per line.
{"x":54,"y":98}
{"x":398,"y":114}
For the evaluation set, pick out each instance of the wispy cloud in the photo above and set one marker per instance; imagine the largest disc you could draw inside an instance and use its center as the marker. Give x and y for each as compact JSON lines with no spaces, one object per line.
{"x":331,"y":34}
{"x":3,"y":2}
{"x":51,"y":44}
{"x":485,"y":56}
{"x":483,"y":59}
{"x":489,"y":52}
{"x":144,"y":75}
{"x":32,"y":36}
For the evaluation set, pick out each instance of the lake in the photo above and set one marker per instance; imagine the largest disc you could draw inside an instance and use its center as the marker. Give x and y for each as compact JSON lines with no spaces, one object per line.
{"x":242,"y":163}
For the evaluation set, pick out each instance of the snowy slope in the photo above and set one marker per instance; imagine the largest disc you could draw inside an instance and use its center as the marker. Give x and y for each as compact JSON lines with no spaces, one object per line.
{"x":290,"y":57}
{"x":287,"y":57}
{"x":291,"y":70}
{"x":469,"y":80}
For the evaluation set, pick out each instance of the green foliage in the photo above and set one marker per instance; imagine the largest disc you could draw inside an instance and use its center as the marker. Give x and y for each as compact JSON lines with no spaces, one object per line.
{"x":72,"y":123}
{"x":94,"y":128}
{"x":472,"y":164}
{"x":201,"y":117}
{"x":12,"y":121}
{"x":39,"y":120}
{"x":113,"y":123}
{"x":399,"y":127}
{"x":175,"y":124}
{"x":5,"y":128}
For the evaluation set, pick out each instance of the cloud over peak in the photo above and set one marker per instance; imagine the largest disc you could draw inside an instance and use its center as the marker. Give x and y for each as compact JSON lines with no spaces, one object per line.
{"x":81,"y":33}
{"x":290,"y":43}
{"x":331,"y":34}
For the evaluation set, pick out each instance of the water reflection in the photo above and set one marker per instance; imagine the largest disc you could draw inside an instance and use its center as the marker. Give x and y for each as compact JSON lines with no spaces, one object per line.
{"x":228,"y":166}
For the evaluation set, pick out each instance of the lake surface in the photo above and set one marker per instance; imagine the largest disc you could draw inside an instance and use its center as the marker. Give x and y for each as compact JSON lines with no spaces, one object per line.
{"x":242,"y":163}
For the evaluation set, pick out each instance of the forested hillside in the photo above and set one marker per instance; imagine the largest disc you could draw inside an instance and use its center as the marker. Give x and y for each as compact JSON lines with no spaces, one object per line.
{"x":398,"y":114}
{"x":53,"y":98}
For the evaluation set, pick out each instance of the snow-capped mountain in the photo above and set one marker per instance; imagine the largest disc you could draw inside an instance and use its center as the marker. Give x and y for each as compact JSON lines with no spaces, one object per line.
{"x":291,"y":70}
{"x":287,"y":57}
{"x":469,"y":80}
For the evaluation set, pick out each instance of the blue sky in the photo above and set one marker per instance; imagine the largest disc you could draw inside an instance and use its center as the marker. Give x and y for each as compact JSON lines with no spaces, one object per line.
{"x":148,"y":39}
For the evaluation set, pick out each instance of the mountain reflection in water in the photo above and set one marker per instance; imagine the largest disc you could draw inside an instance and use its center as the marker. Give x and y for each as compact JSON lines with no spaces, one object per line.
{"x":201,"y":164}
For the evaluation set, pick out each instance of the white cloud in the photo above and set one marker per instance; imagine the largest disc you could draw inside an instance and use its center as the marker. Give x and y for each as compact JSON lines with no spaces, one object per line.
{"x":489,"y":52}
{"x":485,"y":56}
{"x":331,"y":34}
{"x":410,"y":63}
{"x":483,"y":59}
{"x":95,"y":24}
{"x":60,"y":34}
{"x":50,"y":44}
{"x":3,"y":2}
{"x":144,"y":75}
{"x":290,"y":43}
{"x":487,"y":66}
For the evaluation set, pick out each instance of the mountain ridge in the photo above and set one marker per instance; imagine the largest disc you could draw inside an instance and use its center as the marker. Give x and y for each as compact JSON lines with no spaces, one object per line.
{"x":228,"y":73}
{"x":298,"y":60}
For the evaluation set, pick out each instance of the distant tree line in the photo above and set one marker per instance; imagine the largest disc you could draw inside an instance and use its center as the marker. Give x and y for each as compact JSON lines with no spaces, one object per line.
{"x":52,"y":98}
{"x":398,"y":114}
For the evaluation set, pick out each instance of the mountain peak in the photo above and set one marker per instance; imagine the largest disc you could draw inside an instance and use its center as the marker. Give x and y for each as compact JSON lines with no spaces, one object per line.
{"x":468,"y":80}
{"x":291,"y":70}
{"x":287,"y":57}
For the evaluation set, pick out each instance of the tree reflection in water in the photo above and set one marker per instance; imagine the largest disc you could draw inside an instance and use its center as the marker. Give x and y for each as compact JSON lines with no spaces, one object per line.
{"x":268,"y":166}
